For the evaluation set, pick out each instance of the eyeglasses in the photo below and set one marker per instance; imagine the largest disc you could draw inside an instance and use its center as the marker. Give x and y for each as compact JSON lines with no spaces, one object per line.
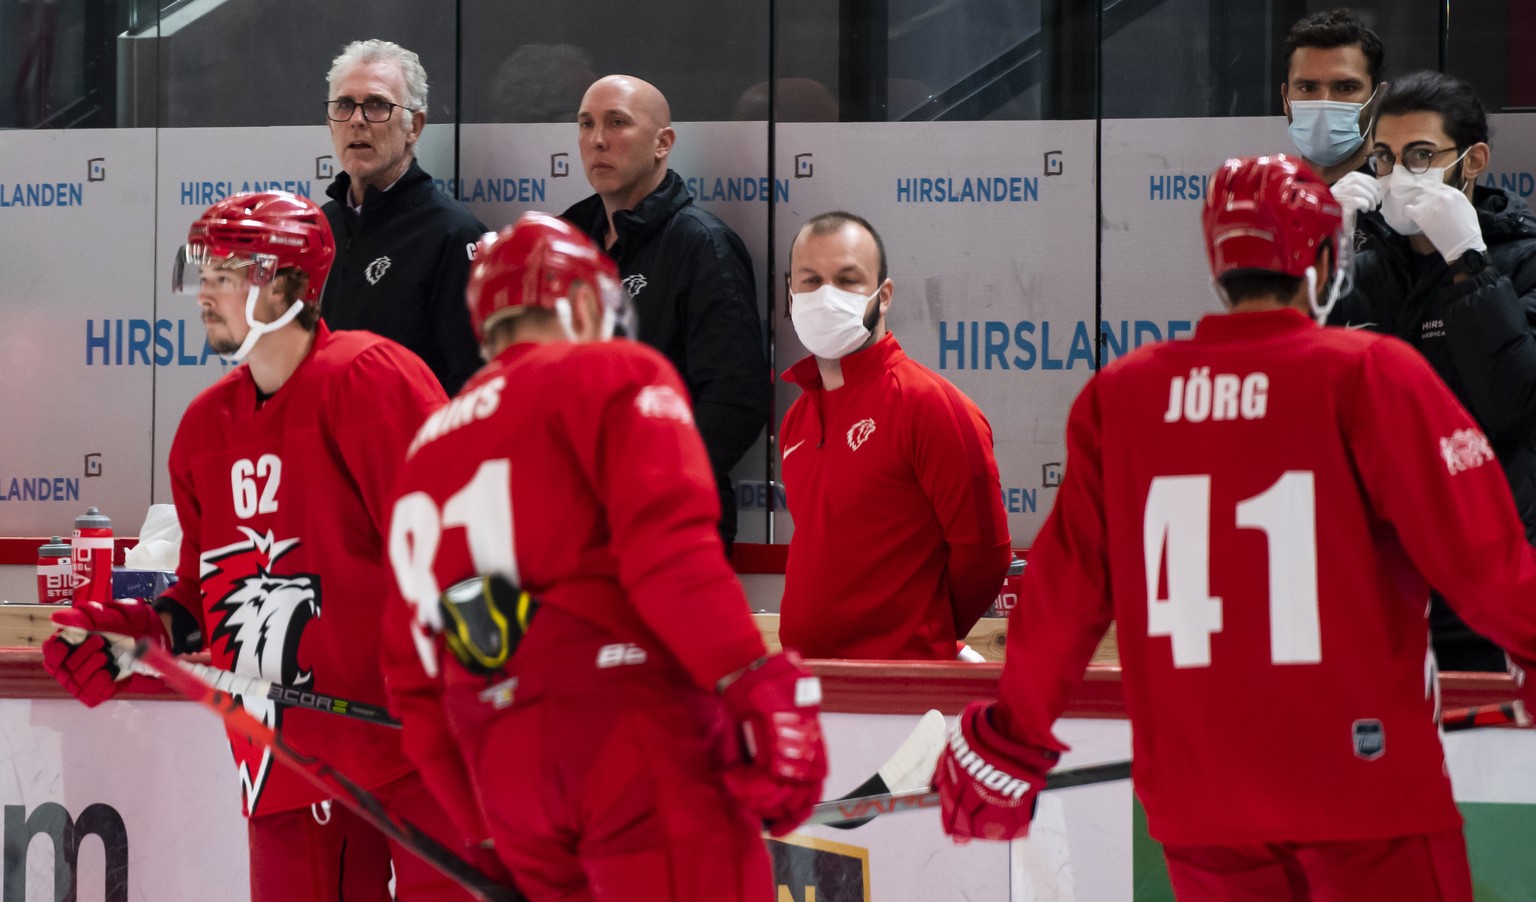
{"x":373,"y":110}
{"x":1416,"y":159}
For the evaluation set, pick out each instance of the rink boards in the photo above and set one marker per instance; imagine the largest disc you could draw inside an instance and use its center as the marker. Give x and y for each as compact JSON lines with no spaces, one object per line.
{"x":148,"y":783}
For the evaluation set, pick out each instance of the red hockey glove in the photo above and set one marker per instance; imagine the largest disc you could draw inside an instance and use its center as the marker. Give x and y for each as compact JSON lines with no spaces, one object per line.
{"x":775,"y":702}
{"x":987,"y":783}
{"x":88,"y":668}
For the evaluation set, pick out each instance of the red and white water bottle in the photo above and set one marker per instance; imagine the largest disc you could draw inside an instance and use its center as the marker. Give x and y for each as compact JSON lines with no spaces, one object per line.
{"x":92,"y":553}
{"x":55,"y":572}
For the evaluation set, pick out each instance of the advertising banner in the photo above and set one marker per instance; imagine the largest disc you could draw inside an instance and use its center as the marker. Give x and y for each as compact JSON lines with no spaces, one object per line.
{"x":989,"y":231}
{"x":79,"y":335}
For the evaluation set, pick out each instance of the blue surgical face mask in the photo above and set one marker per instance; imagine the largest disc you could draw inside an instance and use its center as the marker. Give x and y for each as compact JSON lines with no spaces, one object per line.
{"x":1326,"y":131}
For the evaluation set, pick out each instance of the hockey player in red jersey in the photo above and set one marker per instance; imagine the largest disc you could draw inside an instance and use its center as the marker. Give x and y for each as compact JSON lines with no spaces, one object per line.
{"x":1262,"y":509}
{"x":279,"y":473}
{"x":634,"y":742}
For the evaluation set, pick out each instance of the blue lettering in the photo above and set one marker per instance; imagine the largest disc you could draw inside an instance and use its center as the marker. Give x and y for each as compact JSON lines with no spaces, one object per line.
{"x":1177,"y":327}
{"x":1113,"y":348}
{"x":975,"y":342}
{"x":904,"y":194}
{"x":1082,"y":348}
{"x":138,"y":340}
{"x":1046,"y":361}
{"x":1144,"y":328}
{"x":1027,"y":345}
{"x":1019,"y":501}
{"x":93,"y":342}
{"x":997,"y":343}
{"x":182,"y":357}
{"x":947,"y":344}
{"x":164,"y":352}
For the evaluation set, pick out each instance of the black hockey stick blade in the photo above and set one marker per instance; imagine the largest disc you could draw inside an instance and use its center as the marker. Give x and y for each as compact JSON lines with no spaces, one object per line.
{"x":911,"y":767}
{"x":836,"y":812}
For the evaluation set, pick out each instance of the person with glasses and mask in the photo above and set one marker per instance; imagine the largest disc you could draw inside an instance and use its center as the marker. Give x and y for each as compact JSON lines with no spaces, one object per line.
{"x":1332,"y":84}
{"x":403,"y":247}
{"x":1450,"y":268}
{"x":901,"y":542}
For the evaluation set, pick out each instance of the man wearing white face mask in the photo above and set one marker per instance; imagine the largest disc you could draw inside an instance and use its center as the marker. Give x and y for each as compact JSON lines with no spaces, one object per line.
{"x":1333,"y":71}
{"x":900,"y":542}
{"x":1450,"y":267}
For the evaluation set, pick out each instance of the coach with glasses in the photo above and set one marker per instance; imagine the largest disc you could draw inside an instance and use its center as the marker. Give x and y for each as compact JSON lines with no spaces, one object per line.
{"x":403,"y":247}
{"x":1450,"y":268}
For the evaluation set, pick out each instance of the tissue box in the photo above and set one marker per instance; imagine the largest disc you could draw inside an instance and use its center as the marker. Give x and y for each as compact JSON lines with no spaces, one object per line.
{"x":128,"y":583}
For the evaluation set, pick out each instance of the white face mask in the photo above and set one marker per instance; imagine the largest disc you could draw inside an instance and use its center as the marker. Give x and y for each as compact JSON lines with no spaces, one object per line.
{"x":1401,"y":188}
{"x":830,"y":321}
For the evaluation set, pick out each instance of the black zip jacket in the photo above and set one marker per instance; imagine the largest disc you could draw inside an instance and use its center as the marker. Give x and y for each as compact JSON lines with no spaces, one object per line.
{"x":690,"y":278}
{"x":401,"y":268}
{"x":1479,"y":335}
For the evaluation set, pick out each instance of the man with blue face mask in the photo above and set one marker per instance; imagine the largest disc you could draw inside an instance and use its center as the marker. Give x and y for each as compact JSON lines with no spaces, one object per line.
{"x":901,"y":542}
{"x":1333,"y":71}
{"x":1450,"y":267}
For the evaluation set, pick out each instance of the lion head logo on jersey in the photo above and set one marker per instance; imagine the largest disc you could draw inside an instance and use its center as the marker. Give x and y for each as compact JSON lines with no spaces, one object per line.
{"x":264,"y":614}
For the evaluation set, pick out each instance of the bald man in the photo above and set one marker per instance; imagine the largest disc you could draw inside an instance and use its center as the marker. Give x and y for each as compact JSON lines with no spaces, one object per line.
{"x":689,"y":275}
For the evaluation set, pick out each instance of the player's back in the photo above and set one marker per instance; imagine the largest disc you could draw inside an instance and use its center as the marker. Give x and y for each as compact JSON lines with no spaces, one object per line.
{"x":1270,"y":623}
{"x":513,"y":476}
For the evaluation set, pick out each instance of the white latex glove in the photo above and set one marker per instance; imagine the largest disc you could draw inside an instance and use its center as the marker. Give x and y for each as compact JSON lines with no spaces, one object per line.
{"x":1357,"y":193}
{"x":1449,"y":221}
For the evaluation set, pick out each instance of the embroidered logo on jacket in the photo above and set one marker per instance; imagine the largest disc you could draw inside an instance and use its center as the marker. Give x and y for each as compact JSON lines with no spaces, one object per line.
{"x":634,"y":284}
{"x":860,"y":432}
{"x":376,"y":270}
{"x":262,"y":616}
{"x":1465,"y":449}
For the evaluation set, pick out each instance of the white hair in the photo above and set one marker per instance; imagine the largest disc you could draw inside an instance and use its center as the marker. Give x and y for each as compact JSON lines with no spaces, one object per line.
{"x":377,"y":51}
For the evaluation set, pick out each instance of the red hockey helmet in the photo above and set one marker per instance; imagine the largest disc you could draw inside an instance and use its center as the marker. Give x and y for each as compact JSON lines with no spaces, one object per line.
{"x":1270,"y":214}
{"x":269,"y":231}
{"x":537,"y":262}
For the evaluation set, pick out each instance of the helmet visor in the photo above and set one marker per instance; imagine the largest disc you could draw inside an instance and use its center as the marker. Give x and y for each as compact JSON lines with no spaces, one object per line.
{"x":197,"y":268}
{"x":617,"y":309}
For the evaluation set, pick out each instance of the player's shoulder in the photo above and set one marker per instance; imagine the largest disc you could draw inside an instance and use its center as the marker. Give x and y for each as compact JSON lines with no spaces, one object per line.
{"x":357,"y":351}
{"x":920,"y":387}
{"x":218,"y":395}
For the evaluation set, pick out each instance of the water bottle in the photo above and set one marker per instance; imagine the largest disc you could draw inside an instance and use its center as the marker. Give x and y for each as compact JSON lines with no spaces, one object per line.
{"x":55,"y":572}
{"x":91,"y":547}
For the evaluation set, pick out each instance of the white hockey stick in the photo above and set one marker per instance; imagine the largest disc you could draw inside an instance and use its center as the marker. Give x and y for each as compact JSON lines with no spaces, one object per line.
{"x":911,"y":767}
{"x":240,"y":684}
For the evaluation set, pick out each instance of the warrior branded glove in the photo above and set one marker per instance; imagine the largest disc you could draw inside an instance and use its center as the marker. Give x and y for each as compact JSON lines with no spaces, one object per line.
{"x":1449,"y":221}
{"x":776,"y":702}
{"x":1357,"y":193}
{"x":88,"y":668}
{"x":988,"y":784}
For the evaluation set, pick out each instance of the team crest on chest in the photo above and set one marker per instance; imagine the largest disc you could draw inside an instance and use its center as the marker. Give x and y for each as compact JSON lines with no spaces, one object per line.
{"x":259,"y":615}
{"x":860,"y":432}
{"x":376,"y":270}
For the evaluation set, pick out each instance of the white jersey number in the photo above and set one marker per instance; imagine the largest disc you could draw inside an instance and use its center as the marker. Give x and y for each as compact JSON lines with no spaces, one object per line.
{"x":1176,"y":526}
{"x":483,"y":509}
{"x":243,"y":479}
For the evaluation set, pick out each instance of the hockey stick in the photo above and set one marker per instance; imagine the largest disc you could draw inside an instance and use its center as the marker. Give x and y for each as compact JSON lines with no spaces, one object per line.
{"x":838,"y":812}
{"x":324,"y":777}
{"x":910,"y":768}
{"x":1505,"y":713}
{"x":243,"y":685}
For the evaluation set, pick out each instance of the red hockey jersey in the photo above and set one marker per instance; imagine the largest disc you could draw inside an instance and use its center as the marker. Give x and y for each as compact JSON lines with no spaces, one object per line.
{"x":1261,"y":509}
{"x":282,"y":509}
{"x":900,"y":535}
{"x":576,"y":471}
